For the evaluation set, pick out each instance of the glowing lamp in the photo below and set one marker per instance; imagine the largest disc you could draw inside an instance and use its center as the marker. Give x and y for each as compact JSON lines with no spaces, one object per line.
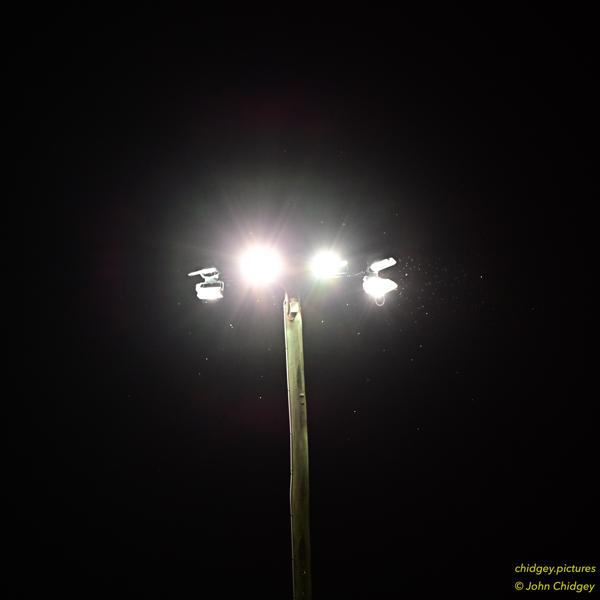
{"x":377,"y":286}
{"x":260,"y":264}
{"x":328,"y":264}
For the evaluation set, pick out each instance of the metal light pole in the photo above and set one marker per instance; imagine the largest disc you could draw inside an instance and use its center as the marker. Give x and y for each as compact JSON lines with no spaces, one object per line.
{"x":299,"y":482}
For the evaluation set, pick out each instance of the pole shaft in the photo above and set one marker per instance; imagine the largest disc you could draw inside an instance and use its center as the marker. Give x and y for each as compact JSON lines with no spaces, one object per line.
{"x":299,"y":482}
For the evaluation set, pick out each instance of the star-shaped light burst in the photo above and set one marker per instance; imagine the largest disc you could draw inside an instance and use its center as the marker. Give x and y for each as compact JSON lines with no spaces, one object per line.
{"x":327,"y":264}
{"x":261,"y":265}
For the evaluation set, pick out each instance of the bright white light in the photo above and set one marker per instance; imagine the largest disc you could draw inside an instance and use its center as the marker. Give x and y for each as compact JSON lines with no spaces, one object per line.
{"x":382,"y":264}
{"x":261,"y":264}
{"x":209,"y":291}
{"x":328,"y":264}
{"x":378,"y":287}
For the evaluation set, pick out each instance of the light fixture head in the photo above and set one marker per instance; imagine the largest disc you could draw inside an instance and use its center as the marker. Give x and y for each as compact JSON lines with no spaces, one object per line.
{"x":261,"y":265}
{"x":380,"y":265}
{"x":211,"y":288}
{"x":207,"y":273}
{"x":327,"y":264}
{"x":378,"y":287}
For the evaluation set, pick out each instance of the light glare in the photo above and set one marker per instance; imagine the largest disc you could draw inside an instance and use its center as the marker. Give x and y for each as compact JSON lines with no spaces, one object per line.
{"x":378,"y":287}
{"x":328,"y":264}
{"x":261,"y":264}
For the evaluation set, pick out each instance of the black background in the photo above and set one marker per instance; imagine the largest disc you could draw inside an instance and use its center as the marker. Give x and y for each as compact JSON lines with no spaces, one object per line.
{"x":451,"y":431}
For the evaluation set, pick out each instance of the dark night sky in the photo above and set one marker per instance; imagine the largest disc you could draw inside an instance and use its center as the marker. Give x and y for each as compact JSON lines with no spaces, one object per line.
{"x":451,"y":431}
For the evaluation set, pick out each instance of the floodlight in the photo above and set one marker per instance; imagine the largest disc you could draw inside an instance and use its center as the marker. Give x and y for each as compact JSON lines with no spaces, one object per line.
{"x":328,"y":264}
{"x":211,"y":288}
{"x":378,"y":287}
{"x":261,"y":264}
{"x":382,"y":264}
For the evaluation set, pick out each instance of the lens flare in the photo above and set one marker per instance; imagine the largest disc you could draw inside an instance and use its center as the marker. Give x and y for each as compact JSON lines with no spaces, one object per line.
{"x":328,"y":264}
{"x":261,"y":265}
